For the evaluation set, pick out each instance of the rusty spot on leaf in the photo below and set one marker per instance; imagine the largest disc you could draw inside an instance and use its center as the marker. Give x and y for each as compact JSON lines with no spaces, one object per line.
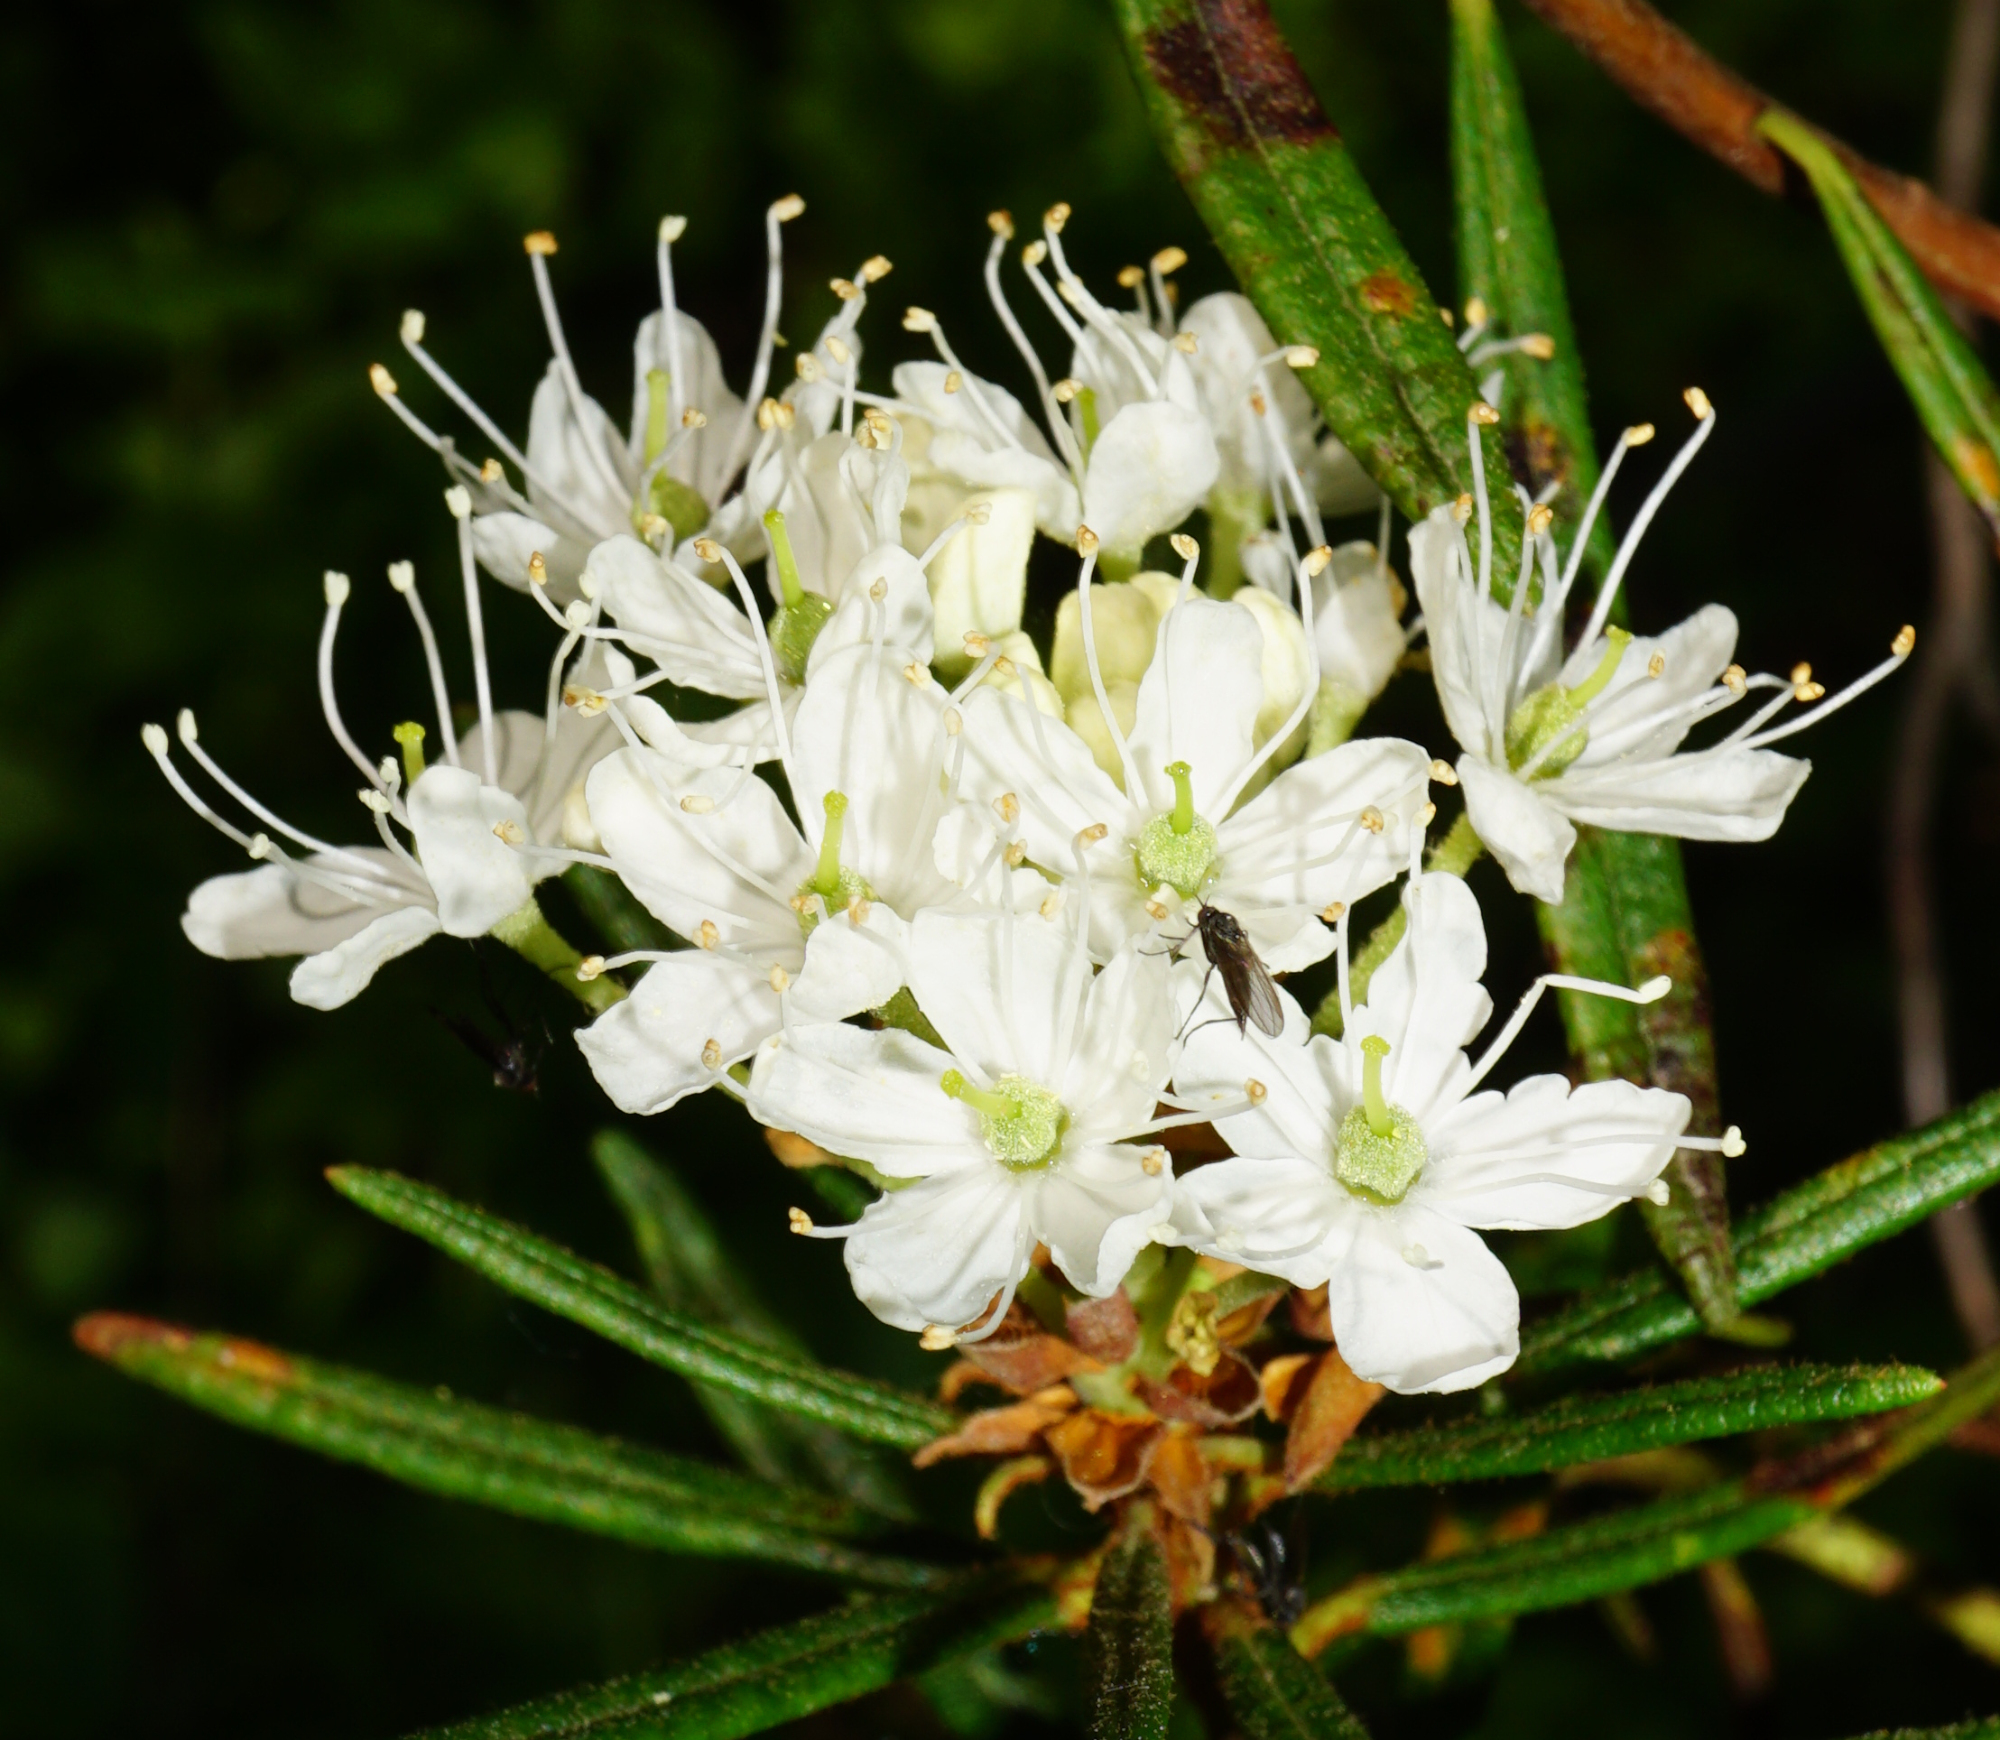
{"x":1384,"y":293}
{"x":253,"y":1359}
{"x":1226,"y":62}
{"x":1974,"y":463}
{"x":106,"y":1334}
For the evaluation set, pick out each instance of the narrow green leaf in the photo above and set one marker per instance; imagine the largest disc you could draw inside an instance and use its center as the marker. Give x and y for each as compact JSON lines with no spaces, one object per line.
{"x":511,"y":1462}
{"x":1272,"y":1691}
{"x":1292,"y":215}
{"x":1979,"y":1728}
{"x":1128,"y":1650}
{"x":1581,"y":1561}
{"x":785,"y":1673}
{"x":689,"y":1270}
{"x":1848,"y":1207}
{"x":1592,"y":1428}
{"x":565,"y":1284}
{"x":1507,"y":258}
{"x":1954,"y":396}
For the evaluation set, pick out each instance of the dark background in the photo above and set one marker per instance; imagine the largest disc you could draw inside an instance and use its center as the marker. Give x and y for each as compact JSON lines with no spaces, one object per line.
{"x":213,"y":217}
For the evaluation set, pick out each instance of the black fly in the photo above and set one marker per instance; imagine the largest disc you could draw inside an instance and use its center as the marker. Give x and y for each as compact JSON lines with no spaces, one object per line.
{"x":514,"y":1058}
{"x":1245,"y":980}
{"x":1275,"y":1568}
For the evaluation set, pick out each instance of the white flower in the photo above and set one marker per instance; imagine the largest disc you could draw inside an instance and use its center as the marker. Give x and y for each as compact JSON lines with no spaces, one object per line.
{"x":1319,"y":836}
{"x":1018,"y":1132}
{"x":668,"y":476}
{"x":1597,"y":739}
{"x":814,"y":919}
{"x":475,"y":820}
{"x":1364,"y":1163}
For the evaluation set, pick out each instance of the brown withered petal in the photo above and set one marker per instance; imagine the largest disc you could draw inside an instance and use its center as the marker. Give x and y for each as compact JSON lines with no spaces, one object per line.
{"x":1023,"y":1357}
{"x":1309,"y":1315}
{"x":1335,"y":1402}
{"x":1245,"y":1320}
{"x":1190,"y":1564}
{"x":995,"y":1432}
{"x":1182,"y":1478}
{"x":1106,"y":1329}
{"x":1284,"y":1381}
{"x":997,"y":1486}
{"x":1224,"y":1396}
{"x":1104,"y":1456}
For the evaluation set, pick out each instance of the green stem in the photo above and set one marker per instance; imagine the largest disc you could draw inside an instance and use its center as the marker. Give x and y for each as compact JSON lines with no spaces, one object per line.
{"x":530,"y":935}
{"x":1232,"y":516}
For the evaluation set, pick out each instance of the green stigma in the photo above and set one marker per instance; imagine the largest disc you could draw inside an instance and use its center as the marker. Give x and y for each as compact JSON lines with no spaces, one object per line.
{"x":1177,"y":848}
{"x":410,"y":735}
{"x":679,"y":504}
{"x":1380,"y":1151}
{"x":800,"y":615}
{"x":1023,"y":1124}
{"x":1552,"y":715}
{"x":839,"y":888}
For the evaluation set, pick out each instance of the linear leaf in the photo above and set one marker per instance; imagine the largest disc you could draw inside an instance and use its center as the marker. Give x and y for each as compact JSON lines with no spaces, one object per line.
{"x":1848,"y":1207}
{"x":506,"y":1461}
{"x":1292,"y":215}
{"x":1272,"y":1691}
{"x":1952,"y":392}
{"x":692,"y":1274}
{"x":565,"y":1284}
{"x":1979,"y":1728}
{"x":1581,"y":1561}
{"x":1129,"y":1648}
{"x":782,"y":1674}
{"x":1592,"y":1428}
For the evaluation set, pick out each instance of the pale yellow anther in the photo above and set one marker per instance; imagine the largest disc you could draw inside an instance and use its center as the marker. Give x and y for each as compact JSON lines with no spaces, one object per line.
{"x":692,"y":418}
{"x":1733,"y":1144}
{"x":1697,"y":402}
{"x":1015,"y":853}
{"x":1034,"y":253}
{"x":1185,"y":343}
{"x":767,"y":415}
{"x":803,"y":903}
{"x":916,"y":675}
{"x":1461,"y":510}
{"x":1184,"y":546}
{"x":1314,"y":561}
{"x":1130,"y":277}
{"x":1008,"y":807}
{"x":845,"y":288}
{"x":1808,"y":691}
{"x":411,"y":331}
{"x":381,"y":380}
{"x":654,"y":528}
{"x":538,"y":569}
{"x":1735,"y":679}
{"x":978,"y":513}
{"x":1003,"y":666}
{"x":784,"y":210}
{"x":917,"y":319}
{"x":780,"y":980}
{"x":1066,"y":389}
{"x":1156,"y":911}
{"x":1091,"y":835}
{"x":1070,"y":291}
{"x":697,"y":803}
{"x":875,"y":268}
{"x":542,"y":242}
{"x":936,"y":1338}
{"x":877,"y":419}
{"x":807,"y":366}
{"x":672,"y":229}
{"x":1540,"y":517}
{"x":1255,"y":1091}
{"x":1801,"y":674}
{"x":1371,"y":819}
{"x":708,"y":549}
{"x":1001,"y":223}
{"x":1656,"y":666}
{"x":1639,"y":434}
{"x":1302,"y":356}
{"x":1483,"y":414}
{"x":1905,"y":642}
{"x":1051,"y":903}
{"x":491,"y":471}
{"x":1476,"y":311}
{"x":1086,"y":541}
{"x":711,"y":1054}
{"x":782,"y":414}
{"x":1169,"y":259}
{"x":1057,"y":215}
{"x":590,"y":967}
{"x":1444,"y":773}
{"x":954,"y":722}
{"x":585,"y":702}
{"x":1445,"y":315}
{"x":1153,"y":1162}
{"x":510,"y":832}
{"x":1258,"y":403}
{"x":858,"y":910}
{"x":953,"y":380}
{"x":1331,"y":912}
{"x":878,"y":590}
{"x":706,"y":935}
{"x":1427,"y":815}
{"x":798,"y":1220}
{"x":977,"y":646}
{"x":1539,"y":346}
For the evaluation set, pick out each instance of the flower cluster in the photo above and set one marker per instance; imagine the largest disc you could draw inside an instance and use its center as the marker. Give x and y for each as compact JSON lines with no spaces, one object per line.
{"x":990,"y":929}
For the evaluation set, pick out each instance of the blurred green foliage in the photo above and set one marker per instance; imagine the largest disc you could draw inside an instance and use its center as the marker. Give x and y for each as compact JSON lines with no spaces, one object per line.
{"x":214,"y":215}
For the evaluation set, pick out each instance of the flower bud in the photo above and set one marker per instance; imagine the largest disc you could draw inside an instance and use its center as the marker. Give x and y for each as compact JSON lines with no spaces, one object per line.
{"x":980,"y":578}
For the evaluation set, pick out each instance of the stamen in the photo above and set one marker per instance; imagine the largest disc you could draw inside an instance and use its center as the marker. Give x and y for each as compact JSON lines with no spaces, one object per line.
{"x":539,"y":246}
{"x":1899,"y":650}
{"x":403,"y":577}
{"x":1650,"y":992}
{"x":1704,"y":428}
{"x":337,"y":588}
{"x":460,"y":504}
{"x":780,"y":212}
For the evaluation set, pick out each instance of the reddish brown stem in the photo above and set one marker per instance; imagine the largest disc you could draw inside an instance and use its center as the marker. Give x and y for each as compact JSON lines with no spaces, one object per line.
{"x":1663,"y":70}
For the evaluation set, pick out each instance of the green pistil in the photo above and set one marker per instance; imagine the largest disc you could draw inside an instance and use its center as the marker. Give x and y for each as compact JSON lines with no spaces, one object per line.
{"x":1086,"y":414}
{"x":679,"y":504}
{"x":1379,"y":1152}
{"x":1023,"y":1124}
{"x":1553,"y":715}
{"x":839,"y":888}
{"x":1177,"y":848}
{"x":657,"y":383}
{"x":800,"y":614}
{"x":410,"y":735}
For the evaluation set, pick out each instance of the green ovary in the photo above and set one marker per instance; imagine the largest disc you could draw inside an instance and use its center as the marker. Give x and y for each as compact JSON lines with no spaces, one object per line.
{"x":1022,"y":1123}
{"x":1552,"y":714}
{"x":801,"y":615}
{"x":1379,"y":1151}
{"x":1177,"y":848}
{"x":835,"y":884}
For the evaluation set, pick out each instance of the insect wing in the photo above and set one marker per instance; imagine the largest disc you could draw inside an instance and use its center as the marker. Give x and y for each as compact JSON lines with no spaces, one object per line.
{"x":1253,"y":996}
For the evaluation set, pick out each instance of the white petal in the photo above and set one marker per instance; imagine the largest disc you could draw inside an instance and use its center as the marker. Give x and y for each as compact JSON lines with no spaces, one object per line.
{"x":1058,"y":508}
{"x":1355,"y":622}
{"x":1692,"y":656}
{"x":1426,"y":999}
{"x":1305,"y":1078}
{"x":1006,"y":994}
{"x":477,"y":877}
{"x":850,"y":967}
{"x":646,"y":1052}
{"x":1504,"y":1162}
{"x":273,"y":911}
{"x":503,"y":542}
{"x":922,"y":384}
{"x":1231,"y":338}
{"x":1096,"y":1209}
{"x":874,"y":1095}
{"x":543,"y":784}
{"x":688,"y":628}
{"x":937,"y":1251}
{"x":737,"y":864}
{"x":338,"y":975}
{"x":1421,"y":1305}
{"x":1717,"y":794}
{"x":568,"y":457}
{"x":1281,"y":1215}
{"x":1519,"y":825}
{"x":1120,"y":1060}
{"x":1057,"y":785}
{"x":1199,"y":703}
{"x":979,"y":580}
{"x":700,"y":459}
{"x":900,"y":619}
{"x":1466,"y":632}
{"x":1149,"y":467}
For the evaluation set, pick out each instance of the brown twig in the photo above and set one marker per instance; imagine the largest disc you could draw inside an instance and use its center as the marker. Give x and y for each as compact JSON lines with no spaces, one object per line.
{"x":1954,"y":664}
{"x":1663,"y":70}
